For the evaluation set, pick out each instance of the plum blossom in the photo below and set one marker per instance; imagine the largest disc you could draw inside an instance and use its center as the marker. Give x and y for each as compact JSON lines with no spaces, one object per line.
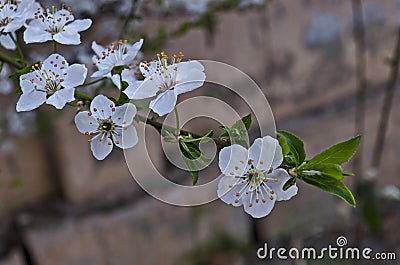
{"x":13,"y":15}
{"x":166,"y":78}
{"x":107,"y":124}
{"x":53,"y":82}
{"x":252,"y":177}
{"x":111,"y":60}
{"x":55,"y":24}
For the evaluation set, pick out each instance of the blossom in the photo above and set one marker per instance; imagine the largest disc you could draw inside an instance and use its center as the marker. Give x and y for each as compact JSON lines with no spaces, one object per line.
{"x":53,"y":82}
{"x":166,"y":78}
{"x":58,"y":25}
{"x":252,"y":177}
{"x":107,"y":123}
{"x":13,"y":15}
{"x":119,"y":54}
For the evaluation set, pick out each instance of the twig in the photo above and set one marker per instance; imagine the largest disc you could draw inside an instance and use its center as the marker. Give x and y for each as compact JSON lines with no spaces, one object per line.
{"x":9,"y":60}
{"x":20,"y":53}
{"x":387,"y":105}
{"x":129,"y":17}
{"x":359,"y":38}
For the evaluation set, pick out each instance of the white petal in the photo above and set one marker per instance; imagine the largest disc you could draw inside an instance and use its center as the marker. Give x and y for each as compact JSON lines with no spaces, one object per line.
{"x":147,"y":89}
{"x":31,"y":100}
{"x":7,"y":42}
{"x":123,"y":115}
{"x":33,"y":34}
{"x":262,"y":152}
{"x":61,"y":97}
{"x":97,"y":49}
{"x":101,"y":73}
{"x":102,"y":107}
{"x":86,"y":123}
{"x":193,"y":79}
{"x":233,"y":160}
{"x":149,"y":69}
{"x":228,"y":187}
{"x":101,"y":146}
{"x":78,"y":25}
{"x":26,"y":85}
{"x":282,"y":176}
{"x":126,"y":138}
{"x":116,"y":79}
{"x":278,"y":156}
{"x":254,"y":205}
{"x":68,"y":38}
{"x":54,"y":63}
{"x":163,"y":103}
{"x":132,"y":51}
{"x":76,"y":75}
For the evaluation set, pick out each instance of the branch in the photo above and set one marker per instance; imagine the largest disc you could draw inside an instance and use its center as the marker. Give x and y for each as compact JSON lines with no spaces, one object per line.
{"x":10,"y":61}
{"x":387,"y":105}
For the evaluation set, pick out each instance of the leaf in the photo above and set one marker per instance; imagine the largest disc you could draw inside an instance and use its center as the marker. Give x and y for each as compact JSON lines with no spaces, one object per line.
{"x":296,"y":146}
{"x":337,"y":154}
{"x":25,"y":70}
{"x":168,"y":136}
{"x":329,"y":170}
{"x":237,"y":134}
{"x":331,"y":185}
{"x":203,"y":139}
{"x":192,"y":168}
{"x":284,"y":145}
{"x":247,"y":121}
{"x":189,"y":150}
{"x":369,"y":202}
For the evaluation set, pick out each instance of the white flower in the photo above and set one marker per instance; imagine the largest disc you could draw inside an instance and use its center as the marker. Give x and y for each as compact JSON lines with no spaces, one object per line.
{"x":107,"y":123}
{"x":252,"y":177}
{"x":13,"y":15}
{"x":192,"y":6}
{"x":166,"y":78}
{"x":118,"y":54}
{"x":57,"y":25}
{"x":247,"y":3}
{"x":53,"y":82}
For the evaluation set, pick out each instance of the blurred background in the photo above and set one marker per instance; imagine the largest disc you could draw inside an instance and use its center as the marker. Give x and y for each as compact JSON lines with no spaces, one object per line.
{"x":328,"y":70}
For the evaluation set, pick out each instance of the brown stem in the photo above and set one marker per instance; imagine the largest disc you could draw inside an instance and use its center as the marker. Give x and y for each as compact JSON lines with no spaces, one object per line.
{"x":387,"y":105}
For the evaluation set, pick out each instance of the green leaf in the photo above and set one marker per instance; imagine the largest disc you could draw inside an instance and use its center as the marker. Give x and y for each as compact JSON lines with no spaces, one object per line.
{"x":168,"y":136}
{"x":337,"y":154}
{"x":25,"y":70}
{"x":192,"y":168}
{"x":247,"y":121}
{"x":203,"y":139}
{"x":237,"y":134}
{"x":189,"y":150}
{"x":285,"y":147}
{"x":296,"y":146}
{"x":369,"y":201}
{"x":331,"y":185}
{"x":328,"y":170}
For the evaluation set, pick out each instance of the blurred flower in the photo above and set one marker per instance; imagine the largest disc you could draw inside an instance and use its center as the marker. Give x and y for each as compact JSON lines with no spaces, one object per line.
{"x":252,"y":177}
{"x":247,"y":3}
{"x":107,"y":123}
{"x":391,"y":192}
{"x":53,"y":82}
{"x":166,"y":78}
{"x":13,"y":15}
{"x":112,"y":60}
{"x":57,"y":25}
{"x":191,"y":6}
{"x":5,"y":84}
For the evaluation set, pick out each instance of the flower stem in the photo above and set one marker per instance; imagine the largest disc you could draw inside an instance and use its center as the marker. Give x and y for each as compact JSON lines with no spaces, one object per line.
{"x":93,"y":82}
{"x":55,"y":46}
{"x":178,"y":127}
{"x":83,"y":96}
{"x":10,"y":61}
{"x":21,"y":54}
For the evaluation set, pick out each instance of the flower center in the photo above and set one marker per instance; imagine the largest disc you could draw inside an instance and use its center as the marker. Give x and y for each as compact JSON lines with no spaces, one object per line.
{"x":4,"y":22}
{"x":254,"y":177}
{"x":54,"y":18}
{"x":106,"y":126}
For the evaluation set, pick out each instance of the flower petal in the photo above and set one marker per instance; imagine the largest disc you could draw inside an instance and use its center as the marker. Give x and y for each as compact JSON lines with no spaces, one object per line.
{"x":262,"y":152}
{"x":163,"y":103}
{"x":31,"y":100}
{"x":282,"y":177}
{"x":78,"y":25}
{"x":61,"y":97}
{"x":233,"y":160}
{"x":67,"y":37}
{"x":54,"y":63}
{"x":256,"y":206}
{"x":33,"y":34}
{"x":278,"y":156}
{"x":102,"y":107}
{"x":192,"y":80}
{"x":75,"y":75}
{"x":86,"y":123}
{"x":147,"y":89}
{"x":98,"y":49}
{"x":132,"y":51}
{"x":126,"y":138}
{"x":101,"y":146}
{"x":228,"y":187}
{"x":6,"y":42}
{"x":123,"y":115}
